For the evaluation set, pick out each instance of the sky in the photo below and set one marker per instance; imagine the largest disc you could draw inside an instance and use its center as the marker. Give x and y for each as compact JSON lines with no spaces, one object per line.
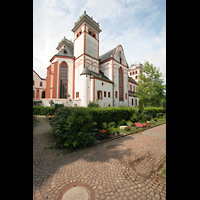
{"x":138,"y":25}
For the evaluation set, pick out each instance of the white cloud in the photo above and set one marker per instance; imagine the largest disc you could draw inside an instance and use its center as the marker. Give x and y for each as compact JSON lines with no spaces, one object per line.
{"x":124,"y":22}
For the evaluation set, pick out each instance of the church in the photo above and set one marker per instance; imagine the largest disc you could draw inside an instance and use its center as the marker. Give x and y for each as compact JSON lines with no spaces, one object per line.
{"x":77,"y":72}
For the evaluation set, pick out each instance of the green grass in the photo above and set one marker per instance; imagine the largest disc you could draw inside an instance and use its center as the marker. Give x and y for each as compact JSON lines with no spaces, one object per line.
{"x":164,"y":169}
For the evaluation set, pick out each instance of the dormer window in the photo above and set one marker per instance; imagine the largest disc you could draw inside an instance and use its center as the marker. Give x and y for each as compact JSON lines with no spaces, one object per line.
{"x":90,"y":32}
{"x":65,"y":51}
{"x":93,"y":35}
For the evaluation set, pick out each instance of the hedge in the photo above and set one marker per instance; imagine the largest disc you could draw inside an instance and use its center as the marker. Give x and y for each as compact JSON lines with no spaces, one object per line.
{"x":43,"y":110}
{"x":116,"y":114}
{"x":107,"y":115}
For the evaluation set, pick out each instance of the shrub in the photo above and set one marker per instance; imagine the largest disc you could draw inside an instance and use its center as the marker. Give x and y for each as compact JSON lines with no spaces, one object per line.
{"x":111,"y":131}
{"x":142,"y":116}
{"x":128,"y":128}
{"x":134,"y":118}
{"x":102,"y":133}
{"x":140,"y":105}
{"x":43,"y":110}
{"x":129,"y":123}
{"x":72,"y":128}
{"x":122,"y":122}
{"x":93,"y":104}
{"x":153,"y":110}
{"x":112,"y":124}
{"x":105,"y":125}
{"x":58,"y":106}
{"x":155,"y":119}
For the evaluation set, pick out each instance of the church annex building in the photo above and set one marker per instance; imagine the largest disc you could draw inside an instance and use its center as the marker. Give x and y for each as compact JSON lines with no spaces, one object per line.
{"x":78,"y":73}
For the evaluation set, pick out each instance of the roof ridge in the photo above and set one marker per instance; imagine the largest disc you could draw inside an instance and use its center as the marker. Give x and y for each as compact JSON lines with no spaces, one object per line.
{"x":108,"y":52}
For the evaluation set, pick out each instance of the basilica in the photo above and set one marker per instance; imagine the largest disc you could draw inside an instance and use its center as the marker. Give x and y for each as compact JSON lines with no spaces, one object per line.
{"x":77,"y":73}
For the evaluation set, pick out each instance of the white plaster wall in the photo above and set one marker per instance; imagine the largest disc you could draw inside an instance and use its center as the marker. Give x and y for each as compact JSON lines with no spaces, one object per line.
{"x":92,"y":64}
{"x":84,"y":94}
{"x":106,"y":68}
{"x":132,"y":86}
{"x":130,"y":101}
{"x":118,"y":55}
{"x":78,"y":45}
{"x":107,"y":87}
{"x":78,"y":71}
{"x":91,"y":46}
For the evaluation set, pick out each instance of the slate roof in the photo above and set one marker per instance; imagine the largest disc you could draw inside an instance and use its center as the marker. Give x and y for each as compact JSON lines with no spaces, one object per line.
{"x":69,"y":52}
{"x":107,"y":55}
{"x":132,"y":94}
{"x":101,"y":76}
{"x":132,"y":80}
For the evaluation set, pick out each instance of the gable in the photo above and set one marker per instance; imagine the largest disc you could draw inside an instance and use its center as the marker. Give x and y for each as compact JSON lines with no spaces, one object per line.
{"x":119,"y":53}
{"x":66,"y":51}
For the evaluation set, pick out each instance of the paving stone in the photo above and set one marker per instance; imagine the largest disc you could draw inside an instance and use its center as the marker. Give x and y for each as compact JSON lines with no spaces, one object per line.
{"x":122,"y":168}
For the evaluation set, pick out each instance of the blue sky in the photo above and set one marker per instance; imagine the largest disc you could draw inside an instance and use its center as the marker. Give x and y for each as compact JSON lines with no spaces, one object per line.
{"x":138,"y":25}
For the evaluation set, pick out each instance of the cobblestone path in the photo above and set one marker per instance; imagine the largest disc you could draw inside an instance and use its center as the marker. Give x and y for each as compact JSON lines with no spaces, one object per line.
{"x":125,"y":168}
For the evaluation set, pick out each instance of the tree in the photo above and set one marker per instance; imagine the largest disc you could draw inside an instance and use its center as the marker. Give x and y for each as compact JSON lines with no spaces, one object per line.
{"x":151,"y":88}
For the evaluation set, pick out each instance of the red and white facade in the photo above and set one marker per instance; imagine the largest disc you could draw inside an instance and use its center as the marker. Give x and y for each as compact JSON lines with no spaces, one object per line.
{"x":78,"y":73}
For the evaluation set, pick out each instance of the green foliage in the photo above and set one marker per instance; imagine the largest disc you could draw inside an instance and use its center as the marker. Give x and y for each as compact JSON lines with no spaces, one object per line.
{"x":93,"y":105}
{"x":134,"y":118}
{"x":154,"y":110}
{"x":159,"y":115}
{"x":141,"y":105}
{"x":58,"y":106}
{"x":110,"y":131}
{"x":105,"y":125}
{"x":112,"y":124}
{"x":129,"y":123}
{"x":72,"y":128}
{"x":151,"y":89}
{"x":43,"y":110}
{"x":122,"y":123}
{"x":142,"y":116}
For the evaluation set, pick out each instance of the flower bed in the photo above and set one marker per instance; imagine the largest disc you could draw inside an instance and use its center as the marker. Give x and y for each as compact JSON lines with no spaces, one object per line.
{"x":127,"y":130}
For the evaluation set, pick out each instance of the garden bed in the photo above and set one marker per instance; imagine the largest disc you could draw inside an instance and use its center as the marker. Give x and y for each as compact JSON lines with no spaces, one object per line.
{"x":123,"y":132}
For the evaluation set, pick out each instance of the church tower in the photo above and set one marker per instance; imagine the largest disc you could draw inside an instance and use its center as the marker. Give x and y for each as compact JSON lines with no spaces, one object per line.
{"x":86,"y":41}
{"x":86,"y":51}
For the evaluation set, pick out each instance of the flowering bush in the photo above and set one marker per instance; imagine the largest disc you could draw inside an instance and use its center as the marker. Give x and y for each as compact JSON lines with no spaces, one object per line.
{"x":128,"y":128}
{"x":101,"y":131}
{"x":138,"y":124}
{"x":50,"y":117}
